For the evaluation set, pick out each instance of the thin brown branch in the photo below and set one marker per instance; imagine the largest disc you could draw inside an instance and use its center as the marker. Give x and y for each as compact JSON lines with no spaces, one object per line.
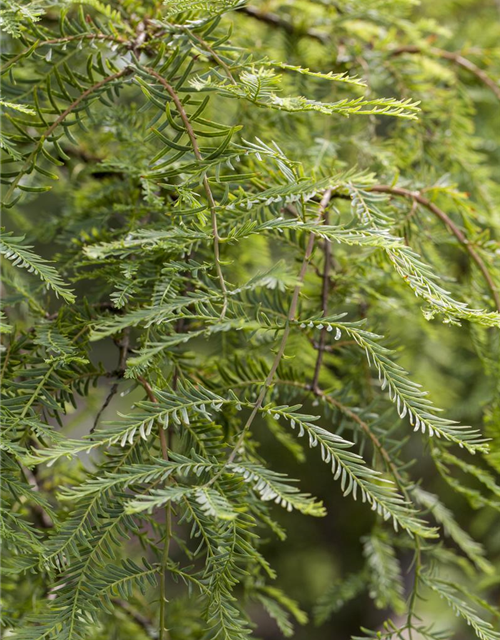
{"x":48,"y":132}
{"x":82,"y":97}
{"x":213,"y":54}
{"x":416,"y":196}
{"x":366,"y":429}
{"x":144,"y":623}
{"x":96,"y":305}
{"x":324,"y":307}
{"x":123,"y":346}
{"x":163,"y":633}
{"x":151,"y":396}
{"x":352,"y":415}
{"x":275,"y":21}
{"x":42,"y":517}
{"x":458,"y":59}
{"x":194,"y":143}
{"x":281,"y":350}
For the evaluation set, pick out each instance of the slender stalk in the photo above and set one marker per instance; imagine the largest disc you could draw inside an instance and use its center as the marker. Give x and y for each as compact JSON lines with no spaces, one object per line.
{"x":194,"y":143}
{"x":163,"y":632}
{"x":136,"y":616}
{"x":416,"y":196}
{"x":50,"y":130}
{"x":123,"y":346}
{"x":41,"y":43}
{"x":291,"y":315}
{"x":458,"y":59}
{"x":324,"y":307}
{"x":276,"y":21}
{"x":384,"y":454}
{"x":213,"y":54}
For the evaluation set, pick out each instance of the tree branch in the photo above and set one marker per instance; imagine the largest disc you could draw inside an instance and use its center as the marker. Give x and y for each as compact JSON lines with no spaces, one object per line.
{"x":212,"y":53}
{"x":274,"y":20}
{"x":206,"y":185}
{"x":458,"y":59}
{"x":457,"y":232}
{"x":291,"y":315}
{"x":324,"y":307}
{"x":48,"y":132}
{"x":144,"y":623}
{"x":123,"y":346}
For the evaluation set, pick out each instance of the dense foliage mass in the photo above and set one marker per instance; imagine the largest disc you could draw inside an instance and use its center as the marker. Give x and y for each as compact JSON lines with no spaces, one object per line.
{"x":238,"y":238}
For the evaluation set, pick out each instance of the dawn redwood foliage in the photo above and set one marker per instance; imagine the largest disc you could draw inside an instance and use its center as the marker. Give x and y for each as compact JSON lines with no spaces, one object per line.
{"x":264,"y":213}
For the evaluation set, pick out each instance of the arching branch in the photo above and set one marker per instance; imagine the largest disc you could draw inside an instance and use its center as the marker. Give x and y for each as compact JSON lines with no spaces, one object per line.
{"x":276,"y":21}
{"x":50,"y":130}
{"x":458,"y":59}
{"x":416,"y":196}
{"x":206,"y":185}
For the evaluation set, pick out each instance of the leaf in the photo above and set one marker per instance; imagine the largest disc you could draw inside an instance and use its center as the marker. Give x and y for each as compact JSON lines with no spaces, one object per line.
{"x":482,"y":629}
{"x":20,"y":254}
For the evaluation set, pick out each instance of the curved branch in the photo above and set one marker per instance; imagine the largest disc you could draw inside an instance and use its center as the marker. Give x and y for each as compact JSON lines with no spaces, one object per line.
{"x":416,"y":196}
{"x":274,"y":20}
{"x":41,"y":43}
{"x":325,"y":201}
{"x":206,"y":184}
{"x":458,"y":59}
{"x":352,"y":415}
{"x":347,"y":411}
{"x":50,"y":130}
{"x":212,"y":53}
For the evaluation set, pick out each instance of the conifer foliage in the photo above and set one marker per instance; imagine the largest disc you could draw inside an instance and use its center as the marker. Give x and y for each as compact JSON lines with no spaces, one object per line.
{"x":258,"y":211}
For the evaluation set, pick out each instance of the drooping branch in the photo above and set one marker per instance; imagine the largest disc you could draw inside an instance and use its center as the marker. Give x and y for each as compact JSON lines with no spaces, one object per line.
{"x":274,"y":20}
{"x":50,"y":130}
{"x":142,"y":621}
{"x":123,"y":346}
{"x":206,"y":185}
{"x":416,"y":196}
{"x":325,"y":201}
{"x":324,"y":308}
{"x":212,"y":53}
{"x":456,"y":58}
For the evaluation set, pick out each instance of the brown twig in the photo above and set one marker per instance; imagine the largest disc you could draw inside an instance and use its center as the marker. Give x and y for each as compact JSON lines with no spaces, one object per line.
{"x":274,"y":20}
{"x":151,"y":396}
{"x":50,"y":130}
{"x":43,"y":518}
{"x":96,"y":305}
{"x":324,"y":308}
{"x":123,"y":346}
{"x":319,"y":393}
{"x":143,"y":622}
{"x":458,"y":59}
{"x":194,"y":143}
{"x":416,"y":196}
{"x":366,"y":428}
{"x":281,"y":350}
{"x":163,"y":635}
{"x":212,"y":53}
